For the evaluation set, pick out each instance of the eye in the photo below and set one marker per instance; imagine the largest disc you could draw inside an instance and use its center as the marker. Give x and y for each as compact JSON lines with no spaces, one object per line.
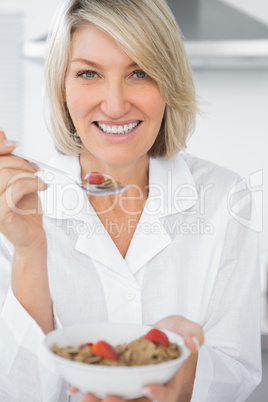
{"x":87,"y":74}
{"x":139,"y":74}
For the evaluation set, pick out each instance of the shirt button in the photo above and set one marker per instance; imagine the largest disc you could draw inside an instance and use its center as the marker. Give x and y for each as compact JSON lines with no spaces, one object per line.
{"x":130,"y":295}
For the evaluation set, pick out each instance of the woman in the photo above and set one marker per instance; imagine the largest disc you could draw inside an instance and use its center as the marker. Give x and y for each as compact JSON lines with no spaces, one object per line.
{"x":122,"y":101}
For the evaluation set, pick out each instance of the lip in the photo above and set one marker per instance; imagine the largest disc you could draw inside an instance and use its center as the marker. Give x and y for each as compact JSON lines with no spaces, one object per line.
{"x":116,"y":123}
{"x":118,"y":138}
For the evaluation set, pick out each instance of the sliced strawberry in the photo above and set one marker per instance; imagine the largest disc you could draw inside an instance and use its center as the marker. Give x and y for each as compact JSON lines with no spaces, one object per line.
{"x":157,"y":336}
{"x":103,"y":349}
{"x":94,"y":178}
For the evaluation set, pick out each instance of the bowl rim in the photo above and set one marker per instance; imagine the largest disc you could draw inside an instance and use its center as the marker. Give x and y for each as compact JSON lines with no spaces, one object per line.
{"x":103,"y":368}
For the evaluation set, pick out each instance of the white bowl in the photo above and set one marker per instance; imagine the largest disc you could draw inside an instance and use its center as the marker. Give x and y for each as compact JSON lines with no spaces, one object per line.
{"x":126,"y":382}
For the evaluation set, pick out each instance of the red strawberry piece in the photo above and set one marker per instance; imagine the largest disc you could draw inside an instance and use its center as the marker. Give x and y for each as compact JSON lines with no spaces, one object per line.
{"x":94,"y":178}
{"x":103,"y":349}
{"x":157,"y":336}
{"x":88,"y":344}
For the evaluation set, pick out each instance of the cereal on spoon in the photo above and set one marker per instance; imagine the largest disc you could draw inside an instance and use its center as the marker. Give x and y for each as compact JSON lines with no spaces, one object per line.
{"x":98,"y":179}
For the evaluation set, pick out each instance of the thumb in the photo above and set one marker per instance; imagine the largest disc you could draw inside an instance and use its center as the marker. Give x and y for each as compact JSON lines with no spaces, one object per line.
{"x":192,"y":332}
{"x":6,"y":146}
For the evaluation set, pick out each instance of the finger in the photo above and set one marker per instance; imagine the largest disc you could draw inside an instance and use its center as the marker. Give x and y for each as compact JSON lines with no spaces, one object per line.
{"x":192,"y":342}
{"x":14,"y":162}
{"x":6,"y":146}
{"x":109,"y":398}
{"x":72,"y":390}
{"x":113,"y":398}
{"x":138,"y":400}
{"x":9,"y":176}
{"x":20,"y":185}
{"x":86,"y":398}
{"x":90,"y":398}
{"x":18,"y":190}
{"x":159,"y":393}
{"x":24,"y":178}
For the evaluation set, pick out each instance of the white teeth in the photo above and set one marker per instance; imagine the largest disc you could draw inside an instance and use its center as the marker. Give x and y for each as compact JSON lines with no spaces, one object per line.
{"x":117,"y":129}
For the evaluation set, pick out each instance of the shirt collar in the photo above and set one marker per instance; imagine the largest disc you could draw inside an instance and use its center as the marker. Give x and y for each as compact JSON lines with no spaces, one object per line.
{"x":172,"y":188}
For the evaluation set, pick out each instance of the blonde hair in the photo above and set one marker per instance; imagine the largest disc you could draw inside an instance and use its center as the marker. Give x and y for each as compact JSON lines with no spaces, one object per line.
{"x":148,"y":33}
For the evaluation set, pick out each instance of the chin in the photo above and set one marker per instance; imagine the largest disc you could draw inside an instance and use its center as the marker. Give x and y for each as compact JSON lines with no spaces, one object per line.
{"x":120,"y":158}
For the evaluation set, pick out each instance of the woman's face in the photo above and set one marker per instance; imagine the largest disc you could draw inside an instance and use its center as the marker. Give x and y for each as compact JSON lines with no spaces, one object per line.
{"x":116,"y":108}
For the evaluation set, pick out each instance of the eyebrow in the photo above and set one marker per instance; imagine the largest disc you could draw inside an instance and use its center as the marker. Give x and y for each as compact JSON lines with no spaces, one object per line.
{"x":96,"y":65}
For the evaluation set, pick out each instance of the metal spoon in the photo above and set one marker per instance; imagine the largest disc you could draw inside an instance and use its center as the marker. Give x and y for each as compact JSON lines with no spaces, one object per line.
{"x":93,"y":189}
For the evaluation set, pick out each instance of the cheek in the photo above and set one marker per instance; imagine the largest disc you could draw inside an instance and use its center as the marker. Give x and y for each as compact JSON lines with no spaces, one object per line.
{"x":154,"y":104}
{"x":77,"y":105}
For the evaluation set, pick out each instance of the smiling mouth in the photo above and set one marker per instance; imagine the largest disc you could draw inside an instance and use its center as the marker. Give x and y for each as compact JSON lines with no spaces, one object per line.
{"x":117,"y":129}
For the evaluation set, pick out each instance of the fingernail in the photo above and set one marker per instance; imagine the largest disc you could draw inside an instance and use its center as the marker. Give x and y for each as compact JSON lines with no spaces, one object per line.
{"x":1,"y":130}
{"x":34,"y":165}
{"x":147,"y":392}
{"x":10,"y":143}
{"x":196,"y":341}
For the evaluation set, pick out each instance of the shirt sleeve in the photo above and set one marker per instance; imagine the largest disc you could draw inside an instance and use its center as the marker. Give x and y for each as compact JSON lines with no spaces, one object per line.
{"x":229,"y":362}
{"x":23,"y":375}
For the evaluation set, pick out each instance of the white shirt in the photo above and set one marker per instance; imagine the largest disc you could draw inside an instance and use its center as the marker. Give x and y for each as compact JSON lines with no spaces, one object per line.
{"x":194,"y":253}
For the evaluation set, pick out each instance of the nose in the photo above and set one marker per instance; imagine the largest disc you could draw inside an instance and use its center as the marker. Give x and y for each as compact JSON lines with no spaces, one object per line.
{"x":115,"y":102}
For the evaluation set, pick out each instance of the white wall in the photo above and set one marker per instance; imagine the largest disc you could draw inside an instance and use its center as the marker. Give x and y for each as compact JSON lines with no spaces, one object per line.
{"x":255,"y":8}
{"x":11,"y":74}
{"x":37,"y":14}
{"x":34,"y":138}
{"x":234,"y":132}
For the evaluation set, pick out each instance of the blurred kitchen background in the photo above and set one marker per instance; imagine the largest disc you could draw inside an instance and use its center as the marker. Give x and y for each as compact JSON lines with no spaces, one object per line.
{"x":227,"y":42}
